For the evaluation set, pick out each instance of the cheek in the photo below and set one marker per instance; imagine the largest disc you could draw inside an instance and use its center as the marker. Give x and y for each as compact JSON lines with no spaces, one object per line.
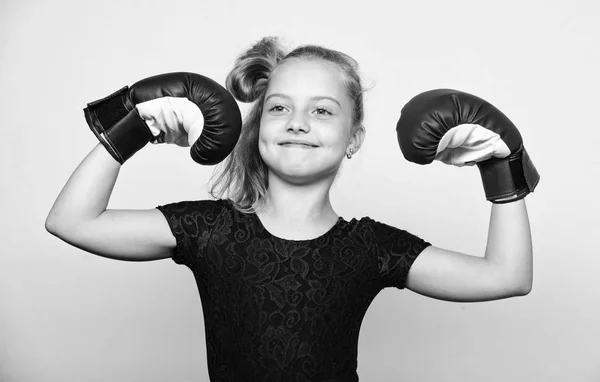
{"x":338,"y":137}
{"x":264,"y":131}
{"x":263,"y":138}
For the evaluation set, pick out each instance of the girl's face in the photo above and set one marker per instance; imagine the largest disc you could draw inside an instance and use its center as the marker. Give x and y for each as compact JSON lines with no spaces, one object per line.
{"x":305,"y":127}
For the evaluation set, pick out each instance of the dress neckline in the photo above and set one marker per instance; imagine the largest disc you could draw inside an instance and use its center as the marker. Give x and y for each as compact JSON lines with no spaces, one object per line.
{"x":323,"y":235}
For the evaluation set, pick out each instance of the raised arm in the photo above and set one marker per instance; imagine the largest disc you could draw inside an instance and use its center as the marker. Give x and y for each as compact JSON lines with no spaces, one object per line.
{"x":506,"y":269}
{"x":80,"y":218}
{"x":460,"y":129}
{"x":167,"y":108}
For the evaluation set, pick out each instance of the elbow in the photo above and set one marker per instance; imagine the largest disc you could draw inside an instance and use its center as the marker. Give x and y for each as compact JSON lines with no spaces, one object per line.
{"x":525,"y":283}
{"x":513,"y":285}
{"x":50,"y":225}
{"x":56,"y":222}
{"x":521,"y":287}
{"x":54,"y":227}
{"x":523,"y":290}
{"x":527,"y":287}
{"x":51,"y":221}
{"x":516,"y":282}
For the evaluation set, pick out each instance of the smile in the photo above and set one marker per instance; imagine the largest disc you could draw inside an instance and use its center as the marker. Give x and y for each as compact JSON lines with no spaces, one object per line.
{"x":298,"y":144}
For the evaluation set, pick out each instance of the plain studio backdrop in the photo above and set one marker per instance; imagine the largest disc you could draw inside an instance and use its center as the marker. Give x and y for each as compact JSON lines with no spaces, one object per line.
{"x":67,"y":315}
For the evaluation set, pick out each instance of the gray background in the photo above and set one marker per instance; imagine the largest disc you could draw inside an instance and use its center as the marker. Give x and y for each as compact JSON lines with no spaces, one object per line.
{"x":66,"y":315}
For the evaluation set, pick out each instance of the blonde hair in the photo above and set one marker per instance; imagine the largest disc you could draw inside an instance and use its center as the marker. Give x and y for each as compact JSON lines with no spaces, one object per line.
{"x":243,"y":175}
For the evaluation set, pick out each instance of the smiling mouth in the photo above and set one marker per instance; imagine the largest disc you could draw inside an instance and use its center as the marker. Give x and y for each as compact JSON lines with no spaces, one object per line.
{"x":297,"y":144}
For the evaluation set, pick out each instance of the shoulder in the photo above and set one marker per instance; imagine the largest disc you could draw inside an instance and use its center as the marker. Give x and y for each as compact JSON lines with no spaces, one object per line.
{"x":188,"y":211}
{"x":383,"y":234}
{"x":375,"y":227}
{"x":190,"y":206}
{"x":198,"y":218}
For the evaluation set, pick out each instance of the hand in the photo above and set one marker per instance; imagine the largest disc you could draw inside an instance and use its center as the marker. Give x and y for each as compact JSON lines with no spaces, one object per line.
{"x":173,"y":120}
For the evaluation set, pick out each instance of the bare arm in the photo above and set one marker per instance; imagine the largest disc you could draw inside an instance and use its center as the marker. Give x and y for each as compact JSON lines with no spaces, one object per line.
{"x":506,"y":270}
{"x":80,"y":218}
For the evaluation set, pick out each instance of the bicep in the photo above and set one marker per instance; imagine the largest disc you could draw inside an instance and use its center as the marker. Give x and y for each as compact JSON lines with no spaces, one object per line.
{"x":130,"y":235}
{"x":454,"y":276}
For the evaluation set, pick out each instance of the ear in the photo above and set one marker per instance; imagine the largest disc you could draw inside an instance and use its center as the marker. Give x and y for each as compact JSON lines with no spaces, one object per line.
{"x":357,"y":138}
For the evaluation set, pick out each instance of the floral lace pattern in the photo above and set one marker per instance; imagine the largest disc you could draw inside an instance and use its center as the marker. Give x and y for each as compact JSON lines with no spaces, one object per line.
{"x":284,"y":310}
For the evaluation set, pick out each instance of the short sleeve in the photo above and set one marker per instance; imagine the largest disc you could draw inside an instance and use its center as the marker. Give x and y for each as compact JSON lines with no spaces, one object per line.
{"x":191,"y":222}
{"x":396,"y":251}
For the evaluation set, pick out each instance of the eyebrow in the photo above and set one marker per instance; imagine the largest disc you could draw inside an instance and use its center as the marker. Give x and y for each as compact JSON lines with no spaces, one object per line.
{"x":315,"y":98}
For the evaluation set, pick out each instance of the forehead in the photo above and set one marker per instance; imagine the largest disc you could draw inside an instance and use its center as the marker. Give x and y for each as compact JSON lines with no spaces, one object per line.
{"x":307,"y":76}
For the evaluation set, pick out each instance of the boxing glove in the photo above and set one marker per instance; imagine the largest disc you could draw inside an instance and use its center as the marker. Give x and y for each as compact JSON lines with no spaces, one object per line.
{"x":461,"y":129}
{"x":117,"y":124}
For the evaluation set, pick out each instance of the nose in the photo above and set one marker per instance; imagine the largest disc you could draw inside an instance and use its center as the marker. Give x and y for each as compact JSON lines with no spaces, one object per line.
{"x":298,"y":123}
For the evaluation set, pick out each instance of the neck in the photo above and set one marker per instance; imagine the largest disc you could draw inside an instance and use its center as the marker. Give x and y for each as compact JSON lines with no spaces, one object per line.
{"x":298,"y":204}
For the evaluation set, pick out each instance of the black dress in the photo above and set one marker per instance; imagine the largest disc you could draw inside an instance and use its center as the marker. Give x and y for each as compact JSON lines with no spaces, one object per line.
{"x":285,"y":310}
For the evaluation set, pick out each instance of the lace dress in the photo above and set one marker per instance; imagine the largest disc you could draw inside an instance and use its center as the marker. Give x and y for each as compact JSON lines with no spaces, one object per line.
{"x":285,"y":310}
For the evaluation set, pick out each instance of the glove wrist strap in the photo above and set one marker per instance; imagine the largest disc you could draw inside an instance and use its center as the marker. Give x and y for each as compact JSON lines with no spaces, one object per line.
{"x":126,"y":137}
{"x":117,"y":125}
{"x":104,"y":113}
{"x":508,"y":179}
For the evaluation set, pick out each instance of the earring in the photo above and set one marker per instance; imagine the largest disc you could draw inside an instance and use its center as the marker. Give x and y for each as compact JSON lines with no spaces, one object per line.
{"x":349,"y":154}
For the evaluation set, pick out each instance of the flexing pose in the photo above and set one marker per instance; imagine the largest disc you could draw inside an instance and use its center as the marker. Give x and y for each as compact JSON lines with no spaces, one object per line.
{"x":284,"y":280}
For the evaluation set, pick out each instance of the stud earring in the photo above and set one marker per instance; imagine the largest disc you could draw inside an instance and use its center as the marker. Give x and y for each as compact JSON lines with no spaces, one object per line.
{"x":349,"y":154}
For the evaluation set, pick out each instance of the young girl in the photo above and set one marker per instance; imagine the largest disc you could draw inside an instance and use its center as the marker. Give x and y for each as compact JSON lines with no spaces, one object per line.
{"x":284,"y":281}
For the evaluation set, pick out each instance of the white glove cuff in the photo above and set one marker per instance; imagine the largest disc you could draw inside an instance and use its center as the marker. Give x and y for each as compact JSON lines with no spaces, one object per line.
{"x":468,"y":144}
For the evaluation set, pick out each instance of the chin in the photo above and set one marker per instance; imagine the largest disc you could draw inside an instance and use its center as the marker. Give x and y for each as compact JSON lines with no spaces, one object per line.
{"x":300,"y":170}
{"x":305,"y":176}
{"x":297,"y":177}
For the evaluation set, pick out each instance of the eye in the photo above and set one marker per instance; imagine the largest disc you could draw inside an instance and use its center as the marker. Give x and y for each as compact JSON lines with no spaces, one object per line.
{"x":322,"y":111}
{"x":277,"y":109}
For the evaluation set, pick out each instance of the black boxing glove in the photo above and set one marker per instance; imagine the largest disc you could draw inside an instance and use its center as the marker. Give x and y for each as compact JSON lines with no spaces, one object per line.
{"x":461,"y":129}
{"x":117,"y":123}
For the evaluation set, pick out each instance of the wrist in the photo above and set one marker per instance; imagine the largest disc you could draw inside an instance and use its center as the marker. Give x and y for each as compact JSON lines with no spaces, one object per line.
{"x":508,"y":179}
{"x":126,"y":137}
